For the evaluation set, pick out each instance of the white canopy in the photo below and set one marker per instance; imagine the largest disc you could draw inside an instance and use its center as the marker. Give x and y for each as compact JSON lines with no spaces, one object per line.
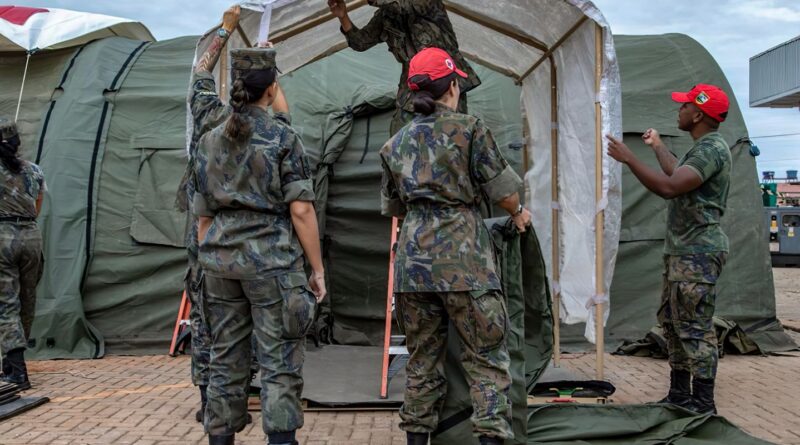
{"x":562,"y":54}
{"x":27,"y":29}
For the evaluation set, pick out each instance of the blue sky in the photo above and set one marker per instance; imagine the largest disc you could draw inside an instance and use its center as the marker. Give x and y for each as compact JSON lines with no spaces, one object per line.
{"x":732,"y":30}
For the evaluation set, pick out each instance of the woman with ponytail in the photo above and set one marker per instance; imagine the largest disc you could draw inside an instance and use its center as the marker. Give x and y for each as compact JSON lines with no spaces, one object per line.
{"x":257,"y":232}
{"x":21,"y":192}
{"x":435,"y":171}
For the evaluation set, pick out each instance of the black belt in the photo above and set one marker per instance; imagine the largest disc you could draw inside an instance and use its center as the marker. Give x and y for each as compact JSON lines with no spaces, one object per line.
{"x":17,"y":219}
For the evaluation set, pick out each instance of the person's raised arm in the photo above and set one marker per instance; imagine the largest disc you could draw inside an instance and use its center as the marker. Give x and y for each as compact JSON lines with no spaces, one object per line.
{"x":666,"y":160}
{"x":683,"y":179}
{"x":209,"y":59}
{"x":358,"y":39}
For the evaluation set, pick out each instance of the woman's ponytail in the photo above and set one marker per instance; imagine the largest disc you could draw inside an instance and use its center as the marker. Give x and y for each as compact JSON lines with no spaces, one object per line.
{"x":9,"y":155}
{"x":239,"y":126}
{"x":424,"y":99}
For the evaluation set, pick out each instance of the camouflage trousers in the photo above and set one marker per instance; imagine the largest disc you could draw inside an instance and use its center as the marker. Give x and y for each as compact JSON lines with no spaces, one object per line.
{"x":201,"y":336}
{"x":402,"y":115}
{"x":21,"y":267}
{"x":481,"y":320}
{"x":688,"y":299}
{"x":278,"y":312}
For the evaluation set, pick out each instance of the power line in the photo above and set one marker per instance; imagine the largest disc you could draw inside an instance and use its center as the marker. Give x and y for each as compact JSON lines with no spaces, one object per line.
{"x":774,"y":136}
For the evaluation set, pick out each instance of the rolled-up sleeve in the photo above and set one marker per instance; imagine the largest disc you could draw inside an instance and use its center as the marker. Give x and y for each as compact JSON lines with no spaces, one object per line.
{"x":391,"y":204}
{"x":490,"y":169}
{"x":296,"y":181}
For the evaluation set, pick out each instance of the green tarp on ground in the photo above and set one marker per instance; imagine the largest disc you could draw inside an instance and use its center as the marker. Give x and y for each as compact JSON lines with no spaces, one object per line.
{"x":574,"y":424}
{"x":131,"y":289}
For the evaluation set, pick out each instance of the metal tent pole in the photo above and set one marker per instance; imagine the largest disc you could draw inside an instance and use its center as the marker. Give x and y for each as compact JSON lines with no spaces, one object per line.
{"x":22,"y":88}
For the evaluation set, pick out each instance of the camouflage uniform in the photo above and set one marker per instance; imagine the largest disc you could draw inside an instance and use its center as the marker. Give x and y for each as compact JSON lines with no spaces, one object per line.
{"x":21,"y":261}
{"x":407,"y":27}
{"x":445,"y":265}
{"x":695,"y":252}
{"x":254,"y":265}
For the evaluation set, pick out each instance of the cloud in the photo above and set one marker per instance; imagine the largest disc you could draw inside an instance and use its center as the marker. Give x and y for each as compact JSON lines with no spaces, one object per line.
{"x":766,"y":9}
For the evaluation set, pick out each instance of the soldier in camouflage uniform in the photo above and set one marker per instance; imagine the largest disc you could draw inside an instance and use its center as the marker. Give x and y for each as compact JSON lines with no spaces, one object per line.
{"x":254,"y":201}
{"x":407,"y":27}
{"x":208,"y":111}
{"x":434,"y":172}
{"x":696,"y":247}
{"x":22,"y":189}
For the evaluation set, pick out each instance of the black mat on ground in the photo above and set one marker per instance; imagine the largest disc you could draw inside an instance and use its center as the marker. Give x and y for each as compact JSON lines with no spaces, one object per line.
{"x":20,"y":405}
{"x":348,"y":376}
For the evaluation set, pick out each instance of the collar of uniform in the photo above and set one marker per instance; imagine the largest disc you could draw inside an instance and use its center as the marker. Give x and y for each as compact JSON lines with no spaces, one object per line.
{"x":706,"y":136}
{"x":442,"y":108}
{"x":255,"y":111}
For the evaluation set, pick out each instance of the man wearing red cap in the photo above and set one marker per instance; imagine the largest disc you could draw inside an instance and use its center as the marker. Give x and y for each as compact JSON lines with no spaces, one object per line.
{"x":696,"y":248}
{"x":407,"y":27}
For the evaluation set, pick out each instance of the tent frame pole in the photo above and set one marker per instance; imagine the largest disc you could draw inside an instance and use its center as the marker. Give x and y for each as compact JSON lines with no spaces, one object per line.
{"x":22,"y":87}
{"x":555,"y":46}
{"x":555,"y":224}
{"x":599,"y":223}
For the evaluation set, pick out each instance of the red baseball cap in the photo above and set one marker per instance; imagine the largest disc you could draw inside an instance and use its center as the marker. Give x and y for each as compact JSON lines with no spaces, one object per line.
{"x":709,"y":98}
{"x":434,"y":63}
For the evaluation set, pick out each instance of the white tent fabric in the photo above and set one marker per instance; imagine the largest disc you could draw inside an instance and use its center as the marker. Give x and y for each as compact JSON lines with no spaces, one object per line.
{"x":29,"y":29}
{"x":510,"y":36}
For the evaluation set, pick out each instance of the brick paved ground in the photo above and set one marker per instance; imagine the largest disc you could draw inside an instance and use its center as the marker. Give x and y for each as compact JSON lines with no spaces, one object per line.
{"x":149,"y":400}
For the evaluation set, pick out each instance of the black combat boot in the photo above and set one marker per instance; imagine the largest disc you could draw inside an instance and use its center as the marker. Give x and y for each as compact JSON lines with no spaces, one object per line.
{"x":703,"y":396}
{"x":486,"y":440}
{"x":201,"y":413}
{"x":287,"y":438}
{"x":417,"y":438}
{"x":17,"y":371}
{"x":680,"y":390}
{"x":220,"y":439}
{"x":6,"y":367}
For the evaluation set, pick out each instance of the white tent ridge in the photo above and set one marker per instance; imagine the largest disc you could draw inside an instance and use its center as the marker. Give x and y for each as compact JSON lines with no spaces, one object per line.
{"x":561,"y":52}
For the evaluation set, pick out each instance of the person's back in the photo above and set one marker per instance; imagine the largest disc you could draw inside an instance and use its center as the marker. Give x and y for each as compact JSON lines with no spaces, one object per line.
{"x":251,"y":198}
{"x":437,"y":172}
{"x":19,"y":191}
{"x":22,"y":188}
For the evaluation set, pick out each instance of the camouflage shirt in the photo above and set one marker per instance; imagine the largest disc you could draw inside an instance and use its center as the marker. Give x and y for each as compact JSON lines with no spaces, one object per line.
{"x":434,"y":170}
{"x":19,"y":191}
{"x":247,"y":188}
{"x":208,"y":112}
{"x":407,"y":27}
{"x":693,"y":218}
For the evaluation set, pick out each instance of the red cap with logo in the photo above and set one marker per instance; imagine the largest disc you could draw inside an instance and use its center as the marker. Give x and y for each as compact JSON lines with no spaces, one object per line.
{"x":709,"y":98}
{"x":434,"y":63}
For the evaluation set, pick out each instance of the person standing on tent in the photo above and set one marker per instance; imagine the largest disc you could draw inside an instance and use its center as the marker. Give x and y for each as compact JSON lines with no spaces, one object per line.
{"x":257,"y":228}
{"x":435,"y":170}
{"x":696,"y":187}
{"x":407,"y":27}
{"x":21,"y":263}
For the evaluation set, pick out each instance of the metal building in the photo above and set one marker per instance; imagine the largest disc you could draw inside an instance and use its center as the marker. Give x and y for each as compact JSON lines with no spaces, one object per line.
{"x":775,"y":76}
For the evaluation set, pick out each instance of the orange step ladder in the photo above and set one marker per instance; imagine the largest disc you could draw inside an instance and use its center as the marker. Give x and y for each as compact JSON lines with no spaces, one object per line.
{"x":182,"y":327}
{"x":395,"y":353}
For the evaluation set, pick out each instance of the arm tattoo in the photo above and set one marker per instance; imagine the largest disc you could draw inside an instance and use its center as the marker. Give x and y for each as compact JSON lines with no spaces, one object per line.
{"x":210,"y":58}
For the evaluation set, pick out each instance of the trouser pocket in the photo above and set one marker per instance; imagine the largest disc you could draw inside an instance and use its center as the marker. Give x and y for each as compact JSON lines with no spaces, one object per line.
{"x":490,"y":319}
{"x":299,"y":305}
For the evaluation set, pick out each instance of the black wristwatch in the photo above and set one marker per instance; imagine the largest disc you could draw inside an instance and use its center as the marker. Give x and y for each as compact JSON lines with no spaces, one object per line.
{"x":518,"y":212}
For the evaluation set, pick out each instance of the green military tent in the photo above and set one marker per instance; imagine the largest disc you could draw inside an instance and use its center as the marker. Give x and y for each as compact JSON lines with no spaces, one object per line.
{"x":107,"y":122}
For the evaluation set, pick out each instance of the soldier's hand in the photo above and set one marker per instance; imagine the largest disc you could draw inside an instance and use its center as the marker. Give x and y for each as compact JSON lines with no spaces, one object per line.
{"x":230,"y":19}
{"x":618,"y":150}
{"x":523,"y":220}
{"x":317,"y":283}
{"x":338,"y":8}
{"x":651,"y":136}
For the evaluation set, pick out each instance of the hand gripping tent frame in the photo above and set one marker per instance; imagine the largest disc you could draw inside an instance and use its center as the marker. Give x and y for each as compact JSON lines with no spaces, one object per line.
{"x":561,"y":53}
